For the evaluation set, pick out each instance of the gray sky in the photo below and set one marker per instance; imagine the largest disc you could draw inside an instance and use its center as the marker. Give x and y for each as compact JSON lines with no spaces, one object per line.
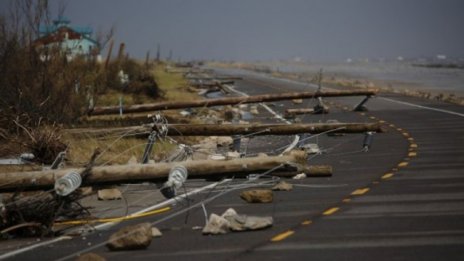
{"x":280,"y":29}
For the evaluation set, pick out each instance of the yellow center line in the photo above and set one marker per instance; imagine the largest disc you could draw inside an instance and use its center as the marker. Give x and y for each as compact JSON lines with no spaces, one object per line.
{"x":405,"y":134}
{"x":306,"y":222}
{"x":381,"y":122}
{"x":412,"y":154}
{"x":413,"y":145}
{"x":392,"y":125}
{"x":387,"y":176}
{"x":346,"y":200}
{"x":399,"y":129}
{"x":372,"y":118}
{"x":282,"y":236}
{"x":411,"y":139}
{"x":403,"y":164}
{"x":330,"y":211}
{"x":360,"y":191}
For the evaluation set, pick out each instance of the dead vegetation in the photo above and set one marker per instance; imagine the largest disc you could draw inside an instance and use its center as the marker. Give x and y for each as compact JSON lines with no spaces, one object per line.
{"x":43,"y":142}
{"x":34,"y":213}
{"x":43,"y":90}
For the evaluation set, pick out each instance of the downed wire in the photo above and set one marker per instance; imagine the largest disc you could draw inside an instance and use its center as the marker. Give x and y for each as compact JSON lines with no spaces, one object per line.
{"x":175,"y":214}
{"x":114,"y":219}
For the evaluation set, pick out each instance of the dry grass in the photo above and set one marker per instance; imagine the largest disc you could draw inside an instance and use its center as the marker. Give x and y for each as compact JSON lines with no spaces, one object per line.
{"x":174,"y":85}
{"x":114,"y":151}
{"x":111,"y":98}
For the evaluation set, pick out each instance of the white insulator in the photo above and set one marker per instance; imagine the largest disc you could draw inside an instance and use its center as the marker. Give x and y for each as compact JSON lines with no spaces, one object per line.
{"x":177,"y":176}
{"x":68,"y":183}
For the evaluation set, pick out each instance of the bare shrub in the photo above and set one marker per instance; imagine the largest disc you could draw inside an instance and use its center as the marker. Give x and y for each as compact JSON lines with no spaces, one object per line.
{"x":42,"y":141}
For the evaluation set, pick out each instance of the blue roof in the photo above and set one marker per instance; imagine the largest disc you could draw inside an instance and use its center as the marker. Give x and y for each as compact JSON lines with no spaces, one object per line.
{"x":63,"y":21}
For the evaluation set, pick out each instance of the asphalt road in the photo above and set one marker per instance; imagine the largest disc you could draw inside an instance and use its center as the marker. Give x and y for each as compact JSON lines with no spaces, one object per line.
{"x":401,"y":200}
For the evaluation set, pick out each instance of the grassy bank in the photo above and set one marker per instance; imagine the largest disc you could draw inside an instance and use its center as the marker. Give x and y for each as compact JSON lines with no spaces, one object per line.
{"x":172,"y":86}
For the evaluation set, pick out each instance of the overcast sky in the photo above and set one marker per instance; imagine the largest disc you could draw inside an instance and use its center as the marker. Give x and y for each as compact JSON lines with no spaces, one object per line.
{"x":279,"y":29}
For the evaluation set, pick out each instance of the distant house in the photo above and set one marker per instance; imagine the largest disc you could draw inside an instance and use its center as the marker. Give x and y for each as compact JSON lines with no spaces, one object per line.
{"x":73,"y":40}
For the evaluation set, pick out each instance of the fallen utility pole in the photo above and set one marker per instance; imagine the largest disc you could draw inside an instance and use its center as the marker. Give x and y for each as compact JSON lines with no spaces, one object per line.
{"x":226,"y":101}
{"x":212,"y":78}
{"x":210,"y":84}
{"x":294,"y":112}
{"x":237,"y":129}
{"x":294,"y":162}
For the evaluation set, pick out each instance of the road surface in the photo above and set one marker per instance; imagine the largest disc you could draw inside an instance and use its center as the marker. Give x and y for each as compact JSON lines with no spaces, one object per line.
{"x":401,"y":200}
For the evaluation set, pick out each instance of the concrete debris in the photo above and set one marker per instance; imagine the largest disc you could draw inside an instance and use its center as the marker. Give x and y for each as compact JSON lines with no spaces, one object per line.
{"x":109,"y":194}
{"x":211,"y":119}
{"x":155,"y":232}
{"x":311,"y":148}
{"x":229,"y":212}
{"x":244,"y":222}
{"x":297,"y":101}
{"x":243,"y":106}
{"x":300,"y":176}
{"x":230,"y":220}
{"x":90,"y":257}
{"x":209,"y":145}
{"x":131,"y":238}
{"x":202,"y":92}
{"x":132,"y":160}
{"x":85,"y":191}
{"x":216,"y":225}
{"x":254,"y":110}
{"x":257,"y":196}
{"x":231,"y":114}
{"x":232,"y":155}
{"x":282,"y":186}
{"x":200,"y":155}
{"x":217,"y":157}
{"x":219,"y":140}
{"x":185,"y":113}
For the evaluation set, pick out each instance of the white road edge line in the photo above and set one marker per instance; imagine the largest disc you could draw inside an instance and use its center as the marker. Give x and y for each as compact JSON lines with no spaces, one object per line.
{"x":22,"y":250}
{"x":296,"y":138}
{"x":378,"y":97}
{"x":422,"y":107}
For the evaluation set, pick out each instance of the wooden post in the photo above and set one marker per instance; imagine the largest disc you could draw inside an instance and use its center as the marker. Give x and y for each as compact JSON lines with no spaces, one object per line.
{"x":226,"y":101}
{"x":295,"y":161}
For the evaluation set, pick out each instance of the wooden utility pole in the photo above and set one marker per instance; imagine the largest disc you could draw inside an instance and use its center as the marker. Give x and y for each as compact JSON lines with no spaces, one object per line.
{"x":227,"y":101}
{"x":295,"y":161}
{"x":237,"y":129}
{"x":108,"y":57}
{"x":293,"y":112}
{"x":147,"y":59}
{"x":121,"y":51}
{"x":158,"y":52}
